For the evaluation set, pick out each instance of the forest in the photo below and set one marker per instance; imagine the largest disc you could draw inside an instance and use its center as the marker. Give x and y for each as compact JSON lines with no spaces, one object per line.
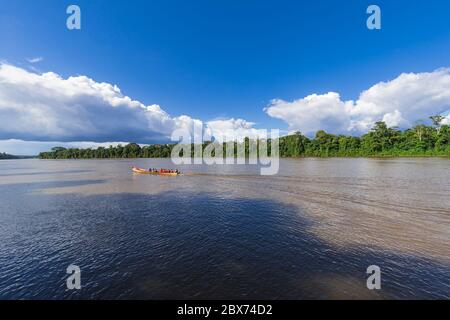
{"x":381,"y":141}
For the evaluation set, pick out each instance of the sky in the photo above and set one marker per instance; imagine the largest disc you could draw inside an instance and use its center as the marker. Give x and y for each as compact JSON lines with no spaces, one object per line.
{"x":139,"y":70}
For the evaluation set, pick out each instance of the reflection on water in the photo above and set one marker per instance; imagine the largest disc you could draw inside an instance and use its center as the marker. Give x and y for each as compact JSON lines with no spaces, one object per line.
{"x":224,"y":231}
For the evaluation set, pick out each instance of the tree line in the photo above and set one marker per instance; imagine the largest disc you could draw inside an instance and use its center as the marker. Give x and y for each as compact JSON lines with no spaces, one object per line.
{"x":381,"y":141}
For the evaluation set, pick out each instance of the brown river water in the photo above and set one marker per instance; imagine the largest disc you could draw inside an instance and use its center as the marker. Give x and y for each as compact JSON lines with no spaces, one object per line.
{"x":224,"y":231}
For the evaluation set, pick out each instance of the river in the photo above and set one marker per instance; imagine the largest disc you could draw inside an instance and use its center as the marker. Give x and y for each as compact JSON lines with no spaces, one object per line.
{"x":225,"y":232}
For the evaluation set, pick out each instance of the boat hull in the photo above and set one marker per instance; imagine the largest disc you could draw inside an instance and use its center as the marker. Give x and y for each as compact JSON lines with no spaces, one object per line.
{"x":143,"y":171}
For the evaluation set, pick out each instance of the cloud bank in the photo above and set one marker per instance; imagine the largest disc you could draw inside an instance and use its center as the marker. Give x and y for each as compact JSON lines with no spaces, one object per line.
{"x":46,"y":107}
{"x":400,"y":102}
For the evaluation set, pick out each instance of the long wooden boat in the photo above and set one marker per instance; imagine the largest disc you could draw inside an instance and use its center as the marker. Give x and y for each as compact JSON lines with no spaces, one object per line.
{"x":144,"y":171}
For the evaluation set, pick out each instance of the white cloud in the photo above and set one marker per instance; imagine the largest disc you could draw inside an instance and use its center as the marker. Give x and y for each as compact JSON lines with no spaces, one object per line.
{"x":446,"y":120}
{"x":35,"y":59}
{"x":313,"y":112}
{"x":46,"y":107}
{"x":394,"y":119}
{"x":235,"y":129}
{"x":400,"y":102}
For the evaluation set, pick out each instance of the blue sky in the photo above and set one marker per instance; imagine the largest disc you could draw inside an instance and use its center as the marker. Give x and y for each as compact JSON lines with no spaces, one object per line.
{"x":226,"y":59}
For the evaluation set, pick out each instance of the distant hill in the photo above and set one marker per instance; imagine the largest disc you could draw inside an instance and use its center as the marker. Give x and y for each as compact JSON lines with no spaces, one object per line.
{"x":5,"y":156}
